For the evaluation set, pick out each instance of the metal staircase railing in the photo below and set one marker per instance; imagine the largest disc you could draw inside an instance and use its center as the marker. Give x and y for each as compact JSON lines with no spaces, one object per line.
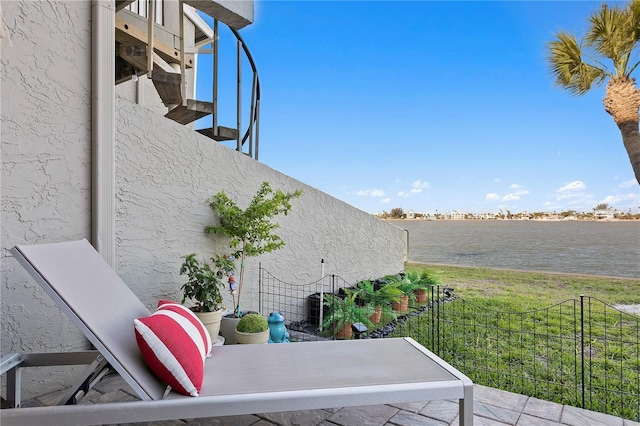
{"x":171,"y":84}
{"x":248,"y":137}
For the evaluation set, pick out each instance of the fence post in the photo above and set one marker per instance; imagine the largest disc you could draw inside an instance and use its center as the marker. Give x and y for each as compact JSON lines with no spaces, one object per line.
{"x":260,"y":289}
{"x":432,"y":338}
{"x":582,"y":347}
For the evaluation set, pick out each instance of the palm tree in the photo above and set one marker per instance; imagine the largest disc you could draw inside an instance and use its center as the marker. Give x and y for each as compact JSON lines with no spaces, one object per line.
{"x":577,"y":66}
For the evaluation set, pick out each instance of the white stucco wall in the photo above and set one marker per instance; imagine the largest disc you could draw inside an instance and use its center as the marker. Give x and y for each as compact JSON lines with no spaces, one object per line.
{"x":164,"y":174}
{"x":46,"y":165}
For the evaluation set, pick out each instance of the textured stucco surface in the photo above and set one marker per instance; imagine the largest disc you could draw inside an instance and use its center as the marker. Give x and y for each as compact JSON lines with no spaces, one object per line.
{"x":46,"y":165}
{"x":164,"y":174}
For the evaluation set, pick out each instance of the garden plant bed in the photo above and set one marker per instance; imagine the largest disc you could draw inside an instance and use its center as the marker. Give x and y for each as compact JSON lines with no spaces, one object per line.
{"x":305,"y":331}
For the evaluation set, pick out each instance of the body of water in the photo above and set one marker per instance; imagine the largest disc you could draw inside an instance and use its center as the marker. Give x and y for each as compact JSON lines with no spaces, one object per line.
{"x":582,"y":247}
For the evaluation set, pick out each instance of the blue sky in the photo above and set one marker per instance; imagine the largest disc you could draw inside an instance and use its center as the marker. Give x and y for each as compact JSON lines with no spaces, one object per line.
{"x":432,"y":106}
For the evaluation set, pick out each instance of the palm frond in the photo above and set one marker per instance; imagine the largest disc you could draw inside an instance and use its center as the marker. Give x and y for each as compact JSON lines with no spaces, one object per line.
{"x":569,"y":68}
{"x":614,"y":34}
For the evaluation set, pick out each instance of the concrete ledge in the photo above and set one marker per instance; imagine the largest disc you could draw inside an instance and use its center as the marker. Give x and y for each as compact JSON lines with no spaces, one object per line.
{"x":236,"y":14}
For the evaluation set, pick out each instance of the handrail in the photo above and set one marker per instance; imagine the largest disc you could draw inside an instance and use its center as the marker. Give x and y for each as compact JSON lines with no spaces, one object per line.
{"x":251,"y":135}
{"x":254,"y":114}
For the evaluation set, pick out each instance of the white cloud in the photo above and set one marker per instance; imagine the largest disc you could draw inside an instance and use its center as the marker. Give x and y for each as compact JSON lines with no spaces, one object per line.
{"x":370,"y":193}
{"x":417,"y":187}
{"x":622,"y":198}
{"x":420,"y":185}
{"x":492,"y":197}
{"x":497,"y":180}
{"x":385,"y":201}
{"x":576,"y":185}
{"x":628,"y":184}
{"x":403,"y":194}
{"x":570,"y":191}
{"x":515,"y":195}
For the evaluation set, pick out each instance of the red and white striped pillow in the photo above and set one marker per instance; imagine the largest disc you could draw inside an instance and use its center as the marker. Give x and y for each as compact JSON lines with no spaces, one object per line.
{"x":174,"y":344}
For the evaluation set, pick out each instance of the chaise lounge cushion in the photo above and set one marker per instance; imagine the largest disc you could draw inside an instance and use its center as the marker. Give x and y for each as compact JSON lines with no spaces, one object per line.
{"x":174,"y":343}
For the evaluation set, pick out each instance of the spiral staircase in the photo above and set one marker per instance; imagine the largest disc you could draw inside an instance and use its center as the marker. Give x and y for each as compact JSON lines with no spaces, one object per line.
{"x":167,"y":65}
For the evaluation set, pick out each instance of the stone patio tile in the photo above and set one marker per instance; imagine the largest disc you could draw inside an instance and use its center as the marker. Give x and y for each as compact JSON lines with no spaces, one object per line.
{"x":368,"y":415}
{"x":630,"y":423}
{"x":406,"y":418}
{"x":500,"y":398}
{"x":413,"y":407}
{"x":543,"y":409}
{"x":580,"y":417}
{"x":51,"y":398}
{"x":112,"y":382}
{"x":94,"y":397}
{"x":494,"y":412}
{"x":529,"y":420}
{"x":297,"y":418}
{"x":445,"y":411}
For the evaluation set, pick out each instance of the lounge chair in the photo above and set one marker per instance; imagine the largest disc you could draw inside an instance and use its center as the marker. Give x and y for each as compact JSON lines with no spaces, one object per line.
{"x":239,"y":379}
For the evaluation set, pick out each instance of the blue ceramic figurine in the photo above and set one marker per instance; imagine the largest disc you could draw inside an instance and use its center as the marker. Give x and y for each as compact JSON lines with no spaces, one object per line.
{"x":277,"y":331}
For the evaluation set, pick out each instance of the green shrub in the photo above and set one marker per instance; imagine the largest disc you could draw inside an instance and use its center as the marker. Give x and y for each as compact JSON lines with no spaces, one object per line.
{"x":252,"y":323}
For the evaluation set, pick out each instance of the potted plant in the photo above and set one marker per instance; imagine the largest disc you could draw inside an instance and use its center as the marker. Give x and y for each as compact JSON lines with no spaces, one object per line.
{"x":423,"y":280}
{"x":251,"y":231}
{"x":404,"y":284}
{"x":252,"y":329}
{"x":378,"y":296}
{"x":204,"y":286}
{"x":343,"y":313}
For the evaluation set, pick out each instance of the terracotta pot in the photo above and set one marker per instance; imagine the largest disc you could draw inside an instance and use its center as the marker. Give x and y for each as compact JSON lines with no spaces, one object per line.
{"x":376,"y":315}
{"x":421,"y":295}
{"x":401,"y":305}
{"x":252,"y":338}
{"x":211,"y":321}
{"x":345,"y":332}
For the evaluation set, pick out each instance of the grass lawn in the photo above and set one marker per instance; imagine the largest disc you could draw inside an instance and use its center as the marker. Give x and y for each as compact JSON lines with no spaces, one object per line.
{"x":528,"y":333}
{"x":531,"y":289}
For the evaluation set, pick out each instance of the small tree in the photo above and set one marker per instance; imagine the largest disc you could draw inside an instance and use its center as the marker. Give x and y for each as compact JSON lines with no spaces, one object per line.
{"x":251,"y":231}
{"x":397,"y":213}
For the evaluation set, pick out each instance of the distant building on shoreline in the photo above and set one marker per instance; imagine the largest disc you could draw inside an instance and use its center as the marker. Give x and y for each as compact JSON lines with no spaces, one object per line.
{"x":596,"y":215}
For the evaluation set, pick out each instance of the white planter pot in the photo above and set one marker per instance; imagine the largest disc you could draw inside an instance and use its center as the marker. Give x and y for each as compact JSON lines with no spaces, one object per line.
{"x":252,"y":338}
{"x":228,"y":326}
{"x":228,"y":329}
{"x":211,"y":321}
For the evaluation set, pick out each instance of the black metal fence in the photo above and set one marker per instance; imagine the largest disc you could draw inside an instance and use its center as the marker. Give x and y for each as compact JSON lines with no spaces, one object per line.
{"x":301,"y":304}
{"x":580,"y":352}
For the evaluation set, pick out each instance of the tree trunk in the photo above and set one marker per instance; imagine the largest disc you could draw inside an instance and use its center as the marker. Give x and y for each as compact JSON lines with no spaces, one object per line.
{"x":622,"y":101}
{"x":631,"y":140}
